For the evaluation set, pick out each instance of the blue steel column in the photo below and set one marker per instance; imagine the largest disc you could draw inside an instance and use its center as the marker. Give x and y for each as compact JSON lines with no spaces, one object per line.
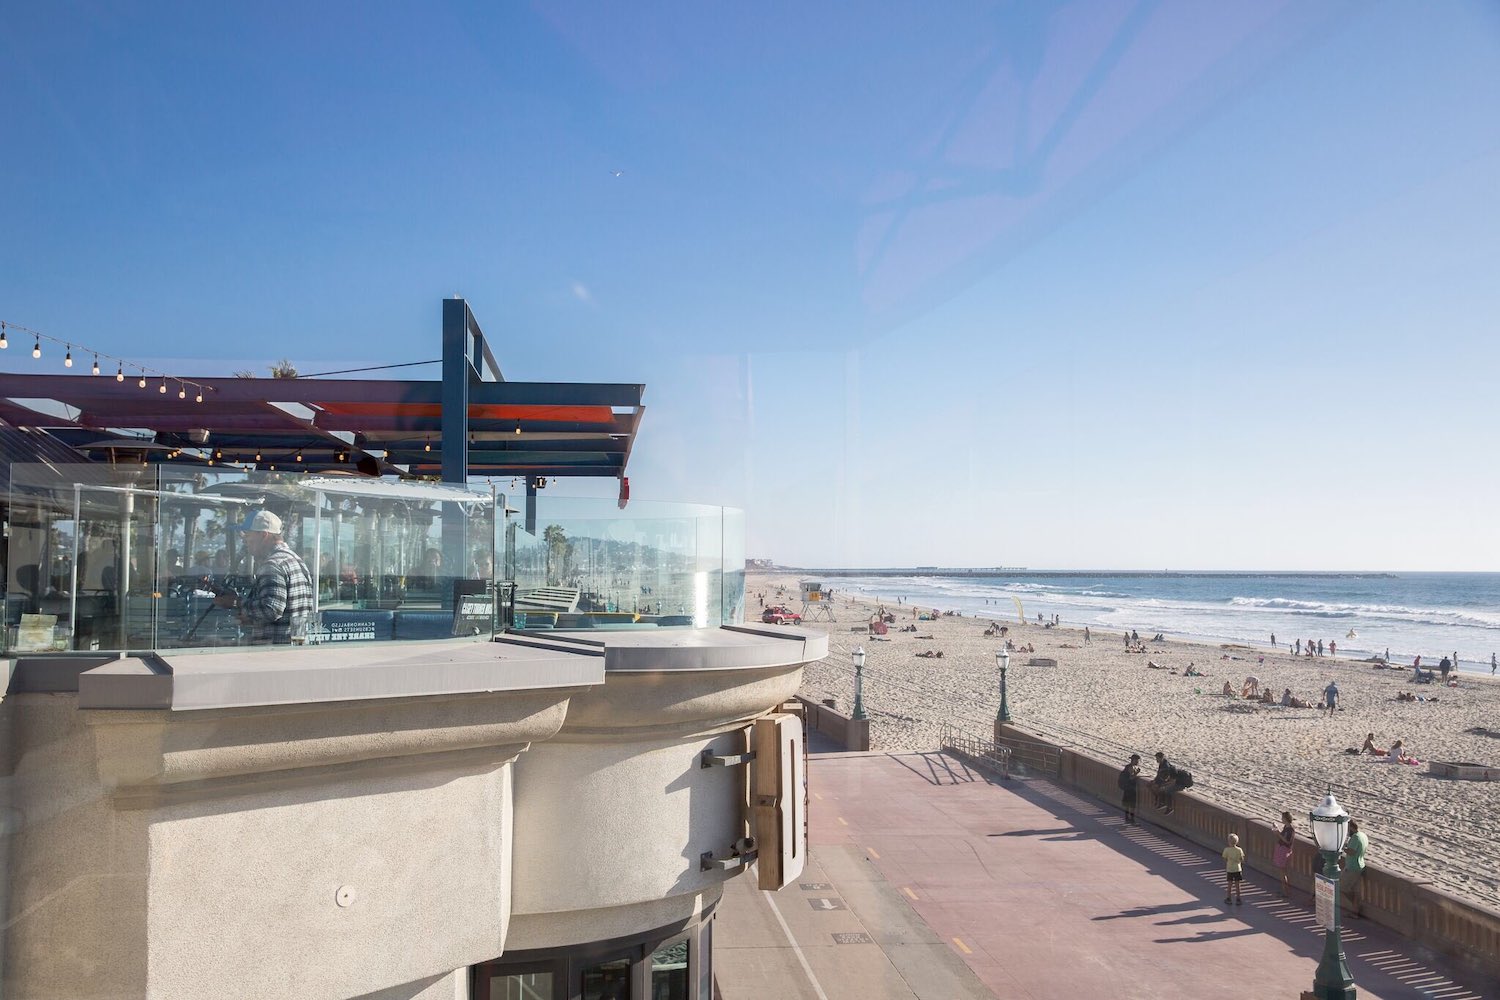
{"x":455,"y":428}
{"x":456,"y":375}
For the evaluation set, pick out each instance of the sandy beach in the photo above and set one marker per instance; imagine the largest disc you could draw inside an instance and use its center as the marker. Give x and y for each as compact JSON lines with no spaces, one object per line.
{"x":1258,"y":758}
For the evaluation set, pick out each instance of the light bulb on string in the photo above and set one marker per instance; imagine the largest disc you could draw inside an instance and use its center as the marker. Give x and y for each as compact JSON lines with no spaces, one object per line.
{"x":200,"y":394}
{"x":96,"y":364}
{"x":181,"y":391}
{"x":518,"y":427}
{"x":4,"y":344}
{"x":36,"y":349}
{"x":163,"y":387}
{"x":142,"y":382}
{"x":427,"y":446}
{"x":68,"y":361}
{"x":120,"y":372}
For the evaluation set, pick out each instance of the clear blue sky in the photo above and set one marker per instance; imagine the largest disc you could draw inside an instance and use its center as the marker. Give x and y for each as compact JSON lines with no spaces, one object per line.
{"x":1048,"y":284}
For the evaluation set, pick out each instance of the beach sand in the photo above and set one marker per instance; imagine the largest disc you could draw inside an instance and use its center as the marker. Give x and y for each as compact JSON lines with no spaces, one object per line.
{"x":1257,"y":759}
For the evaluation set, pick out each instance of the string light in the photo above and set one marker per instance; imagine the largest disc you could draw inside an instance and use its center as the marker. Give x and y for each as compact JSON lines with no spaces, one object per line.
{"x":518,"y":427}
{"x":36,"y":352}
{"x":427,"y":446}
{"x":257,"y":455}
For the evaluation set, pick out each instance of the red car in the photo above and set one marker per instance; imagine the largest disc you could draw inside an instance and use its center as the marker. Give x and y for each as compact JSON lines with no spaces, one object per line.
{"x":780,"y":616}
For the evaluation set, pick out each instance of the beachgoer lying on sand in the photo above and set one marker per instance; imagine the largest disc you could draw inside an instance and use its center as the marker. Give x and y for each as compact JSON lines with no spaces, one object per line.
{"x":1153,"y":665}
{"x":1289,"y":700}
{"x":1370,"y":746}
{"x":1251,"y":688}
{"x":1228,"y":690}
{"x":928,"y":654}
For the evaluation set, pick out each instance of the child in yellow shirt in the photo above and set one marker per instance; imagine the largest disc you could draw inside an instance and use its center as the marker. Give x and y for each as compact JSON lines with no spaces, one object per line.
{"x":1234,"y":869}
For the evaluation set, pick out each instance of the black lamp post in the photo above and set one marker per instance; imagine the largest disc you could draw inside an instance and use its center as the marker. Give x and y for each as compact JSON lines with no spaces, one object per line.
{"x":1330,"y":825}
{"x":859,"y":682}
{"x":1002,"y":660}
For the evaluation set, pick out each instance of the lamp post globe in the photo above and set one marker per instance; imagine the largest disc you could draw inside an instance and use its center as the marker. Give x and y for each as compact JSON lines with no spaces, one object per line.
{"x":859,"y":682}
{"x":1002,"y":660}
{"x":1330,"y":828}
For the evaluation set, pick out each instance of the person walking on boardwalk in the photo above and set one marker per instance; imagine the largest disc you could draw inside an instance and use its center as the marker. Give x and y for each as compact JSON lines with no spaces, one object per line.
{"x":1129,"y":775}
{"x":1282,"y":858}
{"x":1234,"y":869}
{"x":1353,"y":863}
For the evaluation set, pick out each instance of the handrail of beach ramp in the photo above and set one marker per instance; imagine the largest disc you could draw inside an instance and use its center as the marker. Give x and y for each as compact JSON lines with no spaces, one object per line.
{"x":1406,"y":828}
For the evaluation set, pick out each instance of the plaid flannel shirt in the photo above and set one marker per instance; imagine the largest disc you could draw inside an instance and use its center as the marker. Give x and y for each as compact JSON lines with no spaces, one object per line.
{"x":280,"y":604}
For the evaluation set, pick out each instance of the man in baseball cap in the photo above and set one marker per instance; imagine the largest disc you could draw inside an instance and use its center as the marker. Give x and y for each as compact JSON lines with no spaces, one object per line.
{"x":279,"y":606}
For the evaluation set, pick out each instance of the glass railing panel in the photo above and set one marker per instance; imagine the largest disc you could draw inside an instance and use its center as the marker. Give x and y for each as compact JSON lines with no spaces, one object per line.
{"x":587,"y":564}
{"x":136,"y":558}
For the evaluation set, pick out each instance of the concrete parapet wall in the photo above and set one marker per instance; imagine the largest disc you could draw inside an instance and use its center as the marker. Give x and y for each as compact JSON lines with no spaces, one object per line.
{"x":851,"y":734}
{"x":1456,"y":928}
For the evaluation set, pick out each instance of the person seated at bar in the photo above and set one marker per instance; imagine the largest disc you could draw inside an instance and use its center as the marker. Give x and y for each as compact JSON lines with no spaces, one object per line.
{"x":429,"y":571}
{"x":279,"y":606}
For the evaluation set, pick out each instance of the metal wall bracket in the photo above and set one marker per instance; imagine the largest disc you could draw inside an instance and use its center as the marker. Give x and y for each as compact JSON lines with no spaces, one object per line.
{"x":711,"y":759}
{"x":740,"y":854}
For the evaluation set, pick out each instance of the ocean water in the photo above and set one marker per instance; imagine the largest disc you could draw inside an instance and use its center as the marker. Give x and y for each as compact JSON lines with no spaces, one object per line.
{"x":1431,"y":614}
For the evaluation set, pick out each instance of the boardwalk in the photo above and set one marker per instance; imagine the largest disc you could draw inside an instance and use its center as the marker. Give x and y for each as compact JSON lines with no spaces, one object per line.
{"x":928,"y":879}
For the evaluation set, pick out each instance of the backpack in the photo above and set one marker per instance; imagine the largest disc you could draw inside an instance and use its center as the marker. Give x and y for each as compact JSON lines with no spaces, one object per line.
{"x":1184,"y":778}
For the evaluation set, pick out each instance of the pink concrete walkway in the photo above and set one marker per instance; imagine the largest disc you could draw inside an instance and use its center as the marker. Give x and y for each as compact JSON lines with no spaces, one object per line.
{"x":1039,"y":892}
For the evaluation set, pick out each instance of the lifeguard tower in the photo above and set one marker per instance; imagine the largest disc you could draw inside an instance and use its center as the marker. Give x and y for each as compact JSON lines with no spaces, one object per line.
{"x":816,"y":602}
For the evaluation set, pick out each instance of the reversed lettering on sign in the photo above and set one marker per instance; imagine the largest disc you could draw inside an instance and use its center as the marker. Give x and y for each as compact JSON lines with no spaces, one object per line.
{"x":855,"y":937}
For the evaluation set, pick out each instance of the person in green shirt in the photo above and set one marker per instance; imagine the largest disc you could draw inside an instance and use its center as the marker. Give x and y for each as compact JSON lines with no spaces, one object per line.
{"x":1234,"y":869}
{"x":1354,"y":869}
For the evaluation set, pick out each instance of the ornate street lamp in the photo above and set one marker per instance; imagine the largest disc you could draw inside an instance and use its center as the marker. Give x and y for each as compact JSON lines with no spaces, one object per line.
{"x":1330,"y":827}
{"x":1002,"y":660}
{"x":859,"y":682}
